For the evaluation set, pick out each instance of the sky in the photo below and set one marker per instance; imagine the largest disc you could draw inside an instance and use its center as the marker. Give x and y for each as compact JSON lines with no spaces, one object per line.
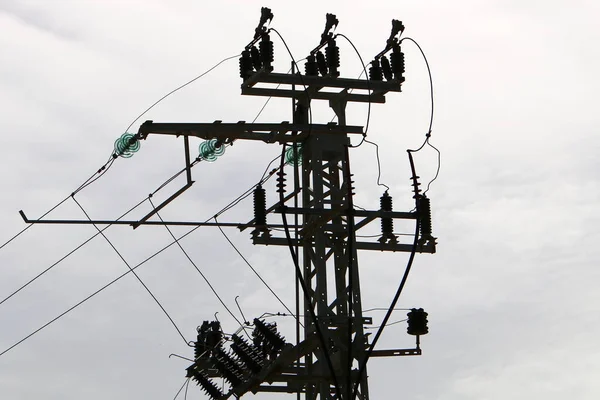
{"x":511,"y":292}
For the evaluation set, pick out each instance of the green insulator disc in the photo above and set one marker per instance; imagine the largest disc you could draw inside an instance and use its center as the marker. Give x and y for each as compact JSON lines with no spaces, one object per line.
{"x":209,"y":151}
{"x":126,"y":145}
{"x":289,"y":155}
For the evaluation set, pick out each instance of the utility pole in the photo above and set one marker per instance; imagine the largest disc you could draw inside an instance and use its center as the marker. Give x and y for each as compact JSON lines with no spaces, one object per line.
{"x":319,"y":222}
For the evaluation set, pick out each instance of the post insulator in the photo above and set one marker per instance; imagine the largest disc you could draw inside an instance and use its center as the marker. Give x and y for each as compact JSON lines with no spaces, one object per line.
{"x":200,"y":349}
{"x":425,"y":217}
{"x":375,"y":71}
{"x":321,"y":63}
{"x":226,"y":371}
{"x":211,"y":389}
{"x":281,"y":181}
{"x":332,"y":56}
{"x":417,"y":322}
{"x":397,"y":61}
{"x":386,"y":68}
{"x":266,"y":52}
{"x":260,"y":206}
{"x":256,"y":61}
{"x":247,"y":354}
{"x":233,"y":363}
{"x":214,"y":336}
{"x":246,"y":65}
{"x":387,"y":223}
{"x":310,"y":66}
{"x":269,"y":335}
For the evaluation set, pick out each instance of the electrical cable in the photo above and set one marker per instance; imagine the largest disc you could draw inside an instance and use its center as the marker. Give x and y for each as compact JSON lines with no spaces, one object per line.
{"x":83,"y":185}
{"x":385,"y":309}
{"x":196,"y":267}
{"x":102,"y":288}
{"x":181,"y":87}
{"x":388,"y":324}
{"x":428,"y":134}
{"x":255,"y":272}
{"x":187,"y":385}
{"x":368,"y":85}
{"x":69,"y":254}
{"x":131,"y":270}
{"x":181,"y":388}
{"x":387,"y":188}
{"x":303,"y":285}
{"x":102,"y":170}
{"x":400,"y":286}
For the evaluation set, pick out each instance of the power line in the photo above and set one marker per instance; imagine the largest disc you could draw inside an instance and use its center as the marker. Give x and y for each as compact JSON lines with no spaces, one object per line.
{"x":196,"y":267}
{"x":181,"y":87}
{"x":102,"y":288}
{"x":256,"y":272}
{"x":186,"y":382}
{"x":428,"y":134}
{"x":131,"y":269}
{"x":69,"y":254}
{"x":388,"y":314}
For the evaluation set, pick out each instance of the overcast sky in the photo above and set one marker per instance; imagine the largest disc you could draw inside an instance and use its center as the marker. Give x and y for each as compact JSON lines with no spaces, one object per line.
{"x":511,"y":294}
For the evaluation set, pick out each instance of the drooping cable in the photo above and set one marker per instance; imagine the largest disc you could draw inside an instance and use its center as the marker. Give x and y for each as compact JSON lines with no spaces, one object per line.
{"x":368,"y":85}
{"x":254,"y":270}
{"x":313,"y":316}
{"x":428,"y":134}
{"x":378,"y":165}
{"x":388,"y":314}
{"x":196,"y":267}
{"x":181,"y":87}
{"x":132,"y":271}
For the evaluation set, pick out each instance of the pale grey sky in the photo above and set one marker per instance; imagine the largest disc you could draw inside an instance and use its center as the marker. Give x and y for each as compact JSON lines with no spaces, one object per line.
{"x":511,"y":293}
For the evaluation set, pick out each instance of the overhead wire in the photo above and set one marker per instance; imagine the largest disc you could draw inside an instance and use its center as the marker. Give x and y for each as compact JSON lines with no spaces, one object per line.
{"x":255,"y":272}
{"x":387,"y":188}
{"x":90,"y":238}
{"x":407,"y":270}
{"x":428,"y":134}
{"x":196,"y":266}
{"x":68,"y":254}
{"x":102,"y":170}
{"x":186,"y":382}
{"x":368,"y":85}
{"x":131,"y":270}
{"x":90,"y":296}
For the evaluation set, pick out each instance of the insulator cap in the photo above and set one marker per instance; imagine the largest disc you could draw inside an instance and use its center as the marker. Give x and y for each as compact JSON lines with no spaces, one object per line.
{"x":246,"y":65}
{"x":310,"y":66}
{"x":375,"y":71}
{"x":332,"y":56}
{"x":417,"y":322}
{"x":321,"y":63}
{"x":126,"y":145}
{"x":386,"y":68}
